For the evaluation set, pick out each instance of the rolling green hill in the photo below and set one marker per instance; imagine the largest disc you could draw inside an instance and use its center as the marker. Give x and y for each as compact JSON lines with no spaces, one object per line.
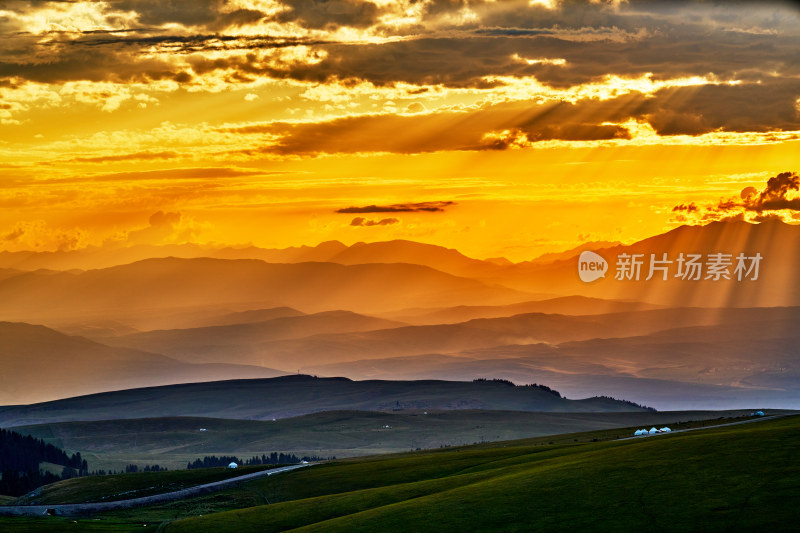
{"x":128,"y":486}
{"x":732,"y":478}
{"x":742,"y":478}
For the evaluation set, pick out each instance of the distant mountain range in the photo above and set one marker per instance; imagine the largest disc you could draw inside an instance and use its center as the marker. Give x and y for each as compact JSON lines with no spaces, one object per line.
{"x":280,"y":343}
{"x":406,"y":309}
{"x":39,"y":363}
{"x":226,"y":342}
{"x":154,"y":286}
{"x":551,"y":274}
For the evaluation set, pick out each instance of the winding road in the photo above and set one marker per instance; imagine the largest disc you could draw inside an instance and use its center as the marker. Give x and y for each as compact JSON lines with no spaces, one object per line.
{"x":82,"y":509}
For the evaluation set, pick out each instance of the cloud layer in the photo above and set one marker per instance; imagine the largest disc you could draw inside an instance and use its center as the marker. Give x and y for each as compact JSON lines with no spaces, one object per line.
{"x":778,"y":200}
{"x":564,"y":64}
{"x":419,"y":207}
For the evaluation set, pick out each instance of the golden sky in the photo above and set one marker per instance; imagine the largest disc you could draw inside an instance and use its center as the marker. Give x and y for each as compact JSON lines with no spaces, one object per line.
{"x":501,"y":128}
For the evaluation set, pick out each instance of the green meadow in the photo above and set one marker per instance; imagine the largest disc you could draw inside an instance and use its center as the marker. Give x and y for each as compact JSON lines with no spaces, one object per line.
{"x":742,"y":477}
{"x":174,"y":441}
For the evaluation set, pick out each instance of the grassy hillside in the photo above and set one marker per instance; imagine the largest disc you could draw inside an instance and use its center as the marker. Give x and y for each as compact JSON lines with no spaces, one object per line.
{"x":740,"y":478}
{"x":172,"y":442}
{"x":128,"y":486}
{"x":735,"y":478}
{"x":265,"y":399}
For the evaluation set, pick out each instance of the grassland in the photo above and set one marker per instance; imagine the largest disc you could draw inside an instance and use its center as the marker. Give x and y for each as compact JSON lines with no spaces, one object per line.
{"x":742,"y":477}
{"x":128,"y":486}
{"x":734,"y":478}
{"x":174,"y":441}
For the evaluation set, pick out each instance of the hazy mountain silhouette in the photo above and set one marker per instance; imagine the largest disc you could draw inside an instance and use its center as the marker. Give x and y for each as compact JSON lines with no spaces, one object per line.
{"x":777,"y":242}
{"x":163,"y":284}
{"x":566,"y":305}
{"x":748,"y":359}
{"x":231,"y":342}
{"x":572,"y":252}
{"x":249,"y":317}
{"x":103,"y":257}
{"x":37,"y":364}
{"x":488,"y":333}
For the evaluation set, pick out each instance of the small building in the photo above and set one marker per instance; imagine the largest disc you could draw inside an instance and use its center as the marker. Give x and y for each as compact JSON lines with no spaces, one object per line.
{"x":665,"y":430}
{"x":233,"y":465}
{"x":758,"y":413}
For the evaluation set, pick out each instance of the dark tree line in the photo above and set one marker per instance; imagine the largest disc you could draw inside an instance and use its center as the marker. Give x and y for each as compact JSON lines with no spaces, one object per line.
{"x":628,"y":402}
{"x":132,"y":469}
{"x":272,"y":459}
{"x":544,"y":388}
{"x":20,"y":457}
{"x":508,"y":383}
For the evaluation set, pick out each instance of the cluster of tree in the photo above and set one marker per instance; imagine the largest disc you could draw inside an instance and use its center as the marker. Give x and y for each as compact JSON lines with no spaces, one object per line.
{"x":20,"y":457}
{"x":272,"y":459}
{"x":129,"y":469}
{"x":132,"y":469}
{"x":495,"y":380}
{"x":544,"y":388}
{"x":18,"y":483}
{"x":634,"y":404}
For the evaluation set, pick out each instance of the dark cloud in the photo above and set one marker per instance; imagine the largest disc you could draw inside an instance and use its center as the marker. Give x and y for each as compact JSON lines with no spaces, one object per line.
{"x":211,"y":14}
{"x":774,"y":197}
{"x":239,"y":17}
{"x":780,"y":193}
{"x":418,"y":207}
{"x":364,"y":222}
{"x":687,"y":208}
{"x":755,"y":43}
{"x":329,"y":14}
{"x":734,"y":41}
{"x":754,"y":107}
{"x":769,"y":217}
{"x":491,"y":128}
{"x":158,"y":12}
{"x":775,"y":194}
{"x":685,"y":110}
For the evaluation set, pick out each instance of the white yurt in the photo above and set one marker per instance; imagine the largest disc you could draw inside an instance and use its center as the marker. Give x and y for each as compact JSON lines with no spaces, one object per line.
{"x":233,"y":465}
{"x":665,"y":430}
{"x":653,"y":431}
